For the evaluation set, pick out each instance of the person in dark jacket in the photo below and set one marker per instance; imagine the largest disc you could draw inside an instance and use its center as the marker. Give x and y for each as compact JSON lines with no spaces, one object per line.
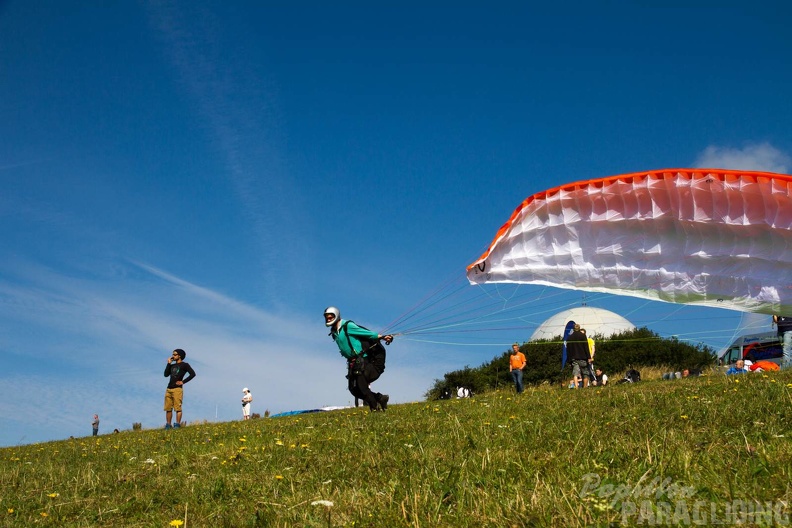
{"x":784,"y":327}
{"x":578,"y":351}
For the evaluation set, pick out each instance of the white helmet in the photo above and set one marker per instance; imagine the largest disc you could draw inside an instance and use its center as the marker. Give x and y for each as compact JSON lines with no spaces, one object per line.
{"x":245,"y":390}
{"x":335,"y":312}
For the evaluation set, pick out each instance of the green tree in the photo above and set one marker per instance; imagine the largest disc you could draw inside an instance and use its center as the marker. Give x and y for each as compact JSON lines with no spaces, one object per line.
{"x":615,"y":355}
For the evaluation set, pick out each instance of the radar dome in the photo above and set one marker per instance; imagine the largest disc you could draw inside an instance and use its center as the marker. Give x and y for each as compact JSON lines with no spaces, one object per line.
{"x":596,"y":321}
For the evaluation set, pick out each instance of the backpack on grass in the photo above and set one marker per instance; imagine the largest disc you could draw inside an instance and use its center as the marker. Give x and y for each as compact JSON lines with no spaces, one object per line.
{"x":632,"y":376}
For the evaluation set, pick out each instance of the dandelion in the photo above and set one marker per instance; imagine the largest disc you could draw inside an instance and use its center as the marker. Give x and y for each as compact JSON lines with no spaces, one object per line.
{"x":326,"y":503}
{"x":53,"y":495}
{"x":278,"y":477}
{"x":279,"y":442}
{"x":684,"y":417}
{"x":10,"y":510}
{"x":44,"y":514}
{"x":175,"y":522}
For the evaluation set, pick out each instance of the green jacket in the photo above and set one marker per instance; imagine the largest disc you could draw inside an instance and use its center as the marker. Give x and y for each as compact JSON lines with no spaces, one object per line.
{"x":355,"y":332}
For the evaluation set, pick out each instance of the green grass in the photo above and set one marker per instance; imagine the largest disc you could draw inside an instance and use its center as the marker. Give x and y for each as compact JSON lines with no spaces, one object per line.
{"x":548,"y":457}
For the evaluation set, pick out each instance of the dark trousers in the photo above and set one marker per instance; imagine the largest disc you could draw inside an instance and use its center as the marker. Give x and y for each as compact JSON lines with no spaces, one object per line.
{"x":360,"y":376}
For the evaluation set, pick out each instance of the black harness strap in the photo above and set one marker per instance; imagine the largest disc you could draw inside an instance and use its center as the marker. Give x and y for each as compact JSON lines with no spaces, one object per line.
{"x":346,"y":333}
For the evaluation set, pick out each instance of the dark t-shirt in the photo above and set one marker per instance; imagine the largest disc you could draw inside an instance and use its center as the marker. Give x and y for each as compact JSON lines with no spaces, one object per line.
{"x":177,"y":371}
{"x":784,"y":325}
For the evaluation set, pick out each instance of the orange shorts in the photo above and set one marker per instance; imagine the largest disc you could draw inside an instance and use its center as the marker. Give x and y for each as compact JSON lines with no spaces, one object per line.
{"x":173,"y":399}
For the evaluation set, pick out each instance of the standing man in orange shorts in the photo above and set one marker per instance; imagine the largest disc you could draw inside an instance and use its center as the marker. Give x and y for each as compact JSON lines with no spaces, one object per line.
{"x":177,"y":369}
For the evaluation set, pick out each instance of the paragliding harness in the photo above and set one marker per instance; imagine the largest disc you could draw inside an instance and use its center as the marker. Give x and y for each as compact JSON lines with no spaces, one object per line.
{"x":631,"y":376}
{"x":371,"y":360}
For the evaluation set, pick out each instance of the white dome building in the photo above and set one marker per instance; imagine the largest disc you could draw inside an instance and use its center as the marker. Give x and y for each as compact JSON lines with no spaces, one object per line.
{"x":596,"y":321}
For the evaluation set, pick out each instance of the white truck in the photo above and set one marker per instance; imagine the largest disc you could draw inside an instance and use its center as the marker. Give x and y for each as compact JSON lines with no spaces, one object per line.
{"x":756,"y":346}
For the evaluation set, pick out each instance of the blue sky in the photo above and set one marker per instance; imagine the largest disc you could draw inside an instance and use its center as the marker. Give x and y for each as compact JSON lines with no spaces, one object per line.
{"x":211,"y":176}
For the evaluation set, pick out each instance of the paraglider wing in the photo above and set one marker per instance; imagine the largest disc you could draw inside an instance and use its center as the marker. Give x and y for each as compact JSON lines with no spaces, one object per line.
{"x":695,"y":236}
{"x":570,"y":327}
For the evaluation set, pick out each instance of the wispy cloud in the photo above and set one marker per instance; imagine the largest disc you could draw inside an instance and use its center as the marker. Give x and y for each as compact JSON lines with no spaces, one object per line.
{"x":119,"y":334}
{"x":755,"y":157}
{"x":10,"y":166}
{"x":236,"y":99}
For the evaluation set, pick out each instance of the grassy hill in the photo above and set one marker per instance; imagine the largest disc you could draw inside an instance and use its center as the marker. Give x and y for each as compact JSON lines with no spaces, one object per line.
{"x":652,"y":453}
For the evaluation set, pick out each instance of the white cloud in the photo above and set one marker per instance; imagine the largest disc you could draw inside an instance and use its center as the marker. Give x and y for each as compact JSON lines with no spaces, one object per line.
{"x":754,"y":157}
{"x":77,"y":347}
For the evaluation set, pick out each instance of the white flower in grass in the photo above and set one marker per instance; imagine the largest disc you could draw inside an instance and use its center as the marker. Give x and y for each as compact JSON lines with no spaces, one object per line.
{"x":149,"y":461}
{"x":326,"y":503}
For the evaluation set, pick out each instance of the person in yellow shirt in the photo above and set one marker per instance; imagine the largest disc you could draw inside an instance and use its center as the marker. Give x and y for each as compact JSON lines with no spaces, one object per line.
{"x":592,"y":377}
{"x":516,"y":365}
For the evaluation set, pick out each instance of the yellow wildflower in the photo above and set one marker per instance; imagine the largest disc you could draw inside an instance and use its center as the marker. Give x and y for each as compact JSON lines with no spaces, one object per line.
{"x":176,"y":522}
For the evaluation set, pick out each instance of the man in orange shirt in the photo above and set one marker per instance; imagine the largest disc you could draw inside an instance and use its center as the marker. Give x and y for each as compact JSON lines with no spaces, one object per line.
{"x":516,"y":365}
